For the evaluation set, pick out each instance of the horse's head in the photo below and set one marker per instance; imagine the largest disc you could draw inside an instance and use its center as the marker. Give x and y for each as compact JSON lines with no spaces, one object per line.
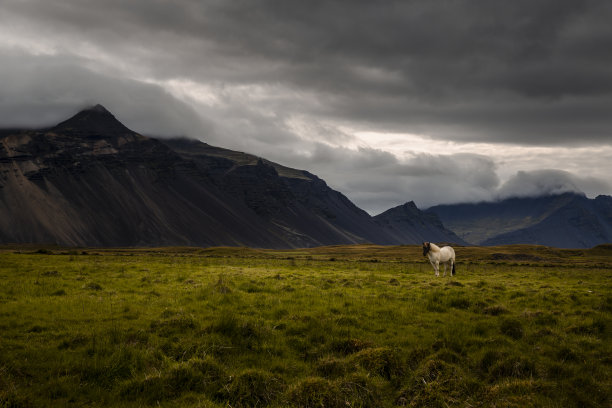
{"x":426,"y":248}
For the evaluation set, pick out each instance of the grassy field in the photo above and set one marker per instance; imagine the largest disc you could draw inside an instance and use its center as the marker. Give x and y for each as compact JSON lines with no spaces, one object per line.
{"x":357,"y":326}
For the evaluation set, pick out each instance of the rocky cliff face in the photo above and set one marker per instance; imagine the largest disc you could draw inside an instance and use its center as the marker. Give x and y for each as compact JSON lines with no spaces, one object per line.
{"x":90,"y":181}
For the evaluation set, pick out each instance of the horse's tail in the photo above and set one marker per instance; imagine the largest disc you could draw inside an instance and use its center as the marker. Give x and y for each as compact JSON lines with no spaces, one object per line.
{"x":453,"y":268}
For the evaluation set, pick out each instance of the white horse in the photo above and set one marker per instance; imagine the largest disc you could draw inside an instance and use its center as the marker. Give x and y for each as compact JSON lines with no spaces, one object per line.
{"x":437,"y":256}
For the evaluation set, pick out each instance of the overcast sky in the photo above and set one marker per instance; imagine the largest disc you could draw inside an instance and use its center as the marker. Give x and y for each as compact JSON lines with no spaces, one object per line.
{"x":389,"y":101}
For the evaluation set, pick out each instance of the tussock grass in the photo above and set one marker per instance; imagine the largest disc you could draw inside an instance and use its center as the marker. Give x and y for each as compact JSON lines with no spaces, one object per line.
{"x":358,"y":326}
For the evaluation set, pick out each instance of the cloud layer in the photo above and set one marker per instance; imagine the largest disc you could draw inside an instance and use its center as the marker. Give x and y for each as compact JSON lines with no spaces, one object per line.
{"x":297,"y":82}
{"x":548,"y":182}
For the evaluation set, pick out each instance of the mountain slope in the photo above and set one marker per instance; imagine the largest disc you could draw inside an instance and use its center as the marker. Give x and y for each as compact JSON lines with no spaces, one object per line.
{"x":91,"y":181}
{"x":407,"y":223}
{"x":295,"y":201}
{"x":566,"y":221}
{"x":72,"y":185}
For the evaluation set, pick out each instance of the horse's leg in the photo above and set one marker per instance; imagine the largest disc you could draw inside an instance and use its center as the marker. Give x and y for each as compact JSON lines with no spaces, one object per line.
{"x":444,"y":276}
{"x":437,"y":268}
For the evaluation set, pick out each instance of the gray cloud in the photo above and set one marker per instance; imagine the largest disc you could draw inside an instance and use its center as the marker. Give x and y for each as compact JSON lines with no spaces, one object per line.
{"x":546,"y":182}
{"x":496,"y":71}
{"x":285,"y":80}
{"x":376,"y":180}
{"x":44,"y":90}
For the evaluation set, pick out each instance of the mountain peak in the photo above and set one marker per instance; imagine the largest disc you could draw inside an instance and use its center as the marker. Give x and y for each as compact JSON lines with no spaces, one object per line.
{"x":408,"y":208}
{"x":98,"y":108}
{"x":93,"y":121}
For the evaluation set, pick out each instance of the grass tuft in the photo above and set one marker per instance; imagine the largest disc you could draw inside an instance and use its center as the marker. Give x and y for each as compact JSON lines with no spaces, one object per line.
{"x":512,"y":366}
{"x":315,"y":392}
{"x":382,"y":361}
{"x":92,"y":286}
{"x":495,"y":310}
{"x":254,"y":387}
{"x":350,"y":346}
{"x":512,"y":328}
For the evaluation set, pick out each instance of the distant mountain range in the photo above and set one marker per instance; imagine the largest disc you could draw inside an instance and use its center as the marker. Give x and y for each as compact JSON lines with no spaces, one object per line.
{"x":91,"y":181}
{"x":406,"y":223}
{"x":567,"y":220}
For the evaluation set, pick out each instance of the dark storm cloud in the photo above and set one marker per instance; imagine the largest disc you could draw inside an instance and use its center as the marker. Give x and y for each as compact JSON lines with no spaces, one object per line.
{"x":522,"y":71}
{"x":293,"y":80}
{"x":45,"y":90}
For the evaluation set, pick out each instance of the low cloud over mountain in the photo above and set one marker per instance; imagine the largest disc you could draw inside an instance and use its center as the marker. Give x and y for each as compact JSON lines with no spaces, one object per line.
{"x":548,"y":182}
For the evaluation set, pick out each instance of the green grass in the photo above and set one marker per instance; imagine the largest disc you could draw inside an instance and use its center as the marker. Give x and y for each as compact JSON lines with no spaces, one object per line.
{"x":357,"y":326}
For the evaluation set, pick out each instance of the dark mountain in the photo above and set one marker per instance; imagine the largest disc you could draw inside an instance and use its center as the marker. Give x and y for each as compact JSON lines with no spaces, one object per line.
{"x":566,"y":221}
{"x":93,"y":122}
{"x":406,"y":223}
{"x":296,"y":201}
{"x":75,"y":185}
{"x":91,"y":181}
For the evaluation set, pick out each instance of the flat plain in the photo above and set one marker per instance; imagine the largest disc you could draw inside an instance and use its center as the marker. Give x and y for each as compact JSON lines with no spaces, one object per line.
{"x":347,"y":326}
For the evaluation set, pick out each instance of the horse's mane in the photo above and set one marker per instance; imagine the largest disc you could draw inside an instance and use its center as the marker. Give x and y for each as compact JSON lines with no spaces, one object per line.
{"x":434,"y":247}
